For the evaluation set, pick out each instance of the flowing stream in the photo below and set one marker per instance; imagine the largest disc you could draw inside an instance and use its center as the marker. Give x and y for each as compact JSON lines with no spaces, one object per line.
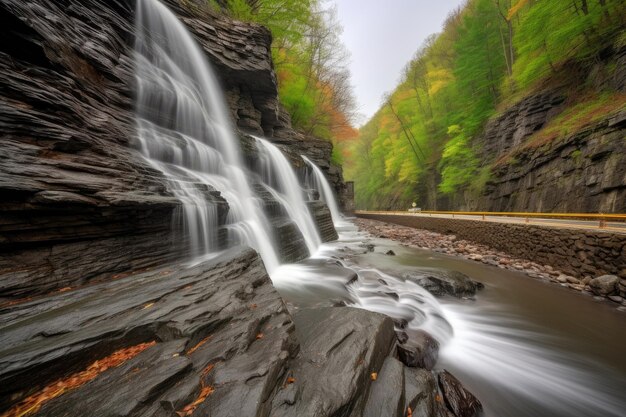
{"x":506,"y":345}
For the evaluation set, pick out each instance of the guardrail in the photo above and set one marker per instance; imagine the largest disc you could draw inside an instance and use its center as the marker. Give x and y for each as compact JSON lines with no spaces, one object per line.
{"x":602,"y":218}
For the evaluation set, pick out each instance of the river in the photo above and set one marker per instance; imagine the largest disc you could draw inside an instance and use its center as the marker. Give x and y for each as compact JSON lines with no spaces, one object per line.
{"x":524,"y":347}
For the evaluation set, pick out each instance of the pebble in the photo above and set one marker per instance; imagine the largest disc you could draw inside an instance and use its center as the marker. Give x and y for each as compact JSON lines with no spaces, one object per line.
{"x":616,"y":298}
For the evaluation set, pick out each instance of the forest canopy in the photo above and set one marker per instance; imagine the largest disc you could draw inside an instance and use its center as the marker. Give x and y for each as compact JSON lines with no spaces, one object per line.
{"x":421,"y":144}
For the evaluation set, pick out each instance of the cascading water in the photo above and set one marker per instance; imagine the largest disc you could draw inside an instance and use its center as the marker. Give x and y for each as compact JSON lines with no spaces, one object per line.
{"x":319,"y":182}
{"x":282,"y":182}
{"x":184,"y":131}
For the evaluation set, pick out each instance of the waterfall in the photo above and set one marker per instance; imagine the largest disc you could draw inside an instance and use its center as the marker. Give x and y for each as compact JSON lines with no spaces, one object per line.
{"x":184,"y":131}
{"x":282,"y":183}
{"x":319,"y":182}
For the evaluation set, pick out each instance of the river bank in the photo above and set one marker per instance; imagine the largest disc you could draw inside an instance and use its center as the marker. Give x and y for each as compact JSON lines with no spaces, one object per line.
{"x":451,"y":245}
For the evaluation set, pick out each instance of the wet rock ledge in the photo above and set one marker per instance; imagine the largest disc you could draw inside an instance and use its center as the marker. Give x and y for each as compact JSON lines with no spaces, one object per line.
{"x":214,"y":339}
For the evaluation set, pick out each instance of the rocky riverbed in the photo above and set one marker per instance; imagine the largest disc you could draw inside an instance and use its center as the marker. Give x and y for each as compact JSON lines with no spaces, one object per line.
{"x":607,"y":287}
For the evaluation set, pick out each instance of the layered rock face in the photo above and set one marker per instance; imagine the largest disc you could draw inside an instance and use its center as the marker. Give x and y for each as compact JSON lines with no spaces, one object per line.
{"x":78,"y":202}
{"x":581,"y":171}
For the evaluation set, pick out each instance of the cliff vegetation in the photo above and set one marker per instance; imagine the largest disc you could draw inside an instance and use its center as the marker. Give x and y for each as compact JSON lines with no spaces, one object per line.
{"x":430,"y":140}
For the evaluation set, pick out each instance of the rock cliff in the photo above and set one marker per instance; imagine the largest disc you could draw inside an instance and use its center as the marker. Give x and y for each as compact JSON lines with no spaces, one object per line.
{"x":78,"y":202}
{"x":580,"y":170}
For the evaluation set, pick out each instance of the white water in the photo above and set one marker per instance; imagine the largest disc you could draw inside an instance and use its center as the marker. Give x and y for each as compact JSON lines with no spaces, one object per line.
{"x":516,"y":367}
{"x":185,"y":132}
{"x":320,"y":183}
{"x":282,"y":182}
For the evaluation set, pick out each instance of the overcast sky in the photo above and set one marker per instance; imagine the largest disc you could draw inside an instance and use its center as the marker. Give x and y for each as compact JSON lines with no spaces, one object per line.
{"x":382,"y":36}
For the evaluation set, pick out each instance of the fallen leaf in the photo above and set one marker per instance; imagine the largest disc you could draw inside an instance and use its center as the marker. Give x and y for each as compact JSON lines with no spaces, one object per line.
{"x":438,"y":398}
{"x":374,"y":376}
{"x":200,"y":343}
{"x":259,"y":336}
{"x":148,"y":306}
{"x":291,"y":380}
{"x":32,"y":403}
{"x":409,"y":412}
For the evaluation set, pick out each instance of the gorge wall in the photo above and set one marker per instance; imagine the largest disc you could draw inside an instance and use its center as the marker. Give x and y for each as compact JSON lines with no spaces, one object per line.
{"x":78,"y":202}
{"x":570,"y":169}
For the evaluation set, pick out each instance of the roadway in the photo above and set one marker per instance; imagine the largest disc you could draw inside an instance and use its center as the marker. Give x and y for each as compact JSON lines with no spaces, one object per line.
{"x":610,"y":226}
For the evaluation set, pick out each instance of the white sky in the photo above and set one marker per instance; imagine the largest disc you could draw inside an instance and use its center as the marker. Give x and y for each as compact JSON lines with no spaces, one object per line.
{"x":382,"y":36}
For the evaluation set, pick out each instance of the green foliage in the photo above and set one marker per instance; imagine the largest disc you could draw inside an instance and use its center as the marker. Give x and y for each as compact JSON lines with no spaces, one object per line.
{"x":309,"y":60}
{"x":420,"y":144}
{"x":553,"y":32}
{"x":458,"y":163}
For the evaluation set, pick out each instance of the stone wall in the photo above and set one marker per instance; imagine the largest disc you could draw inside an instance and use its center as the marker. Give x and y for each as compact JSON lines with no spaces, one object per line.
{"x":578,"y":253}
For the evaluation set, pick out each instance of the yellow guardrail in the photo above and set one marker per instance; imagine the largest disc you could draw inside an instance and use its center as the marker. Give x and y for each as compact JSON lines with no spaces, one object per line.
{"x":602,"y":218}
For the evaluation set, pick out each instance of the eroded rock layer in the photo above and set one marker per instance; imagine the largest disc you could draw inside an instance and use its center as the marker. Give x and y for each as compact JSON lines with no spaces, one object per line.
{"x":78,"y":202}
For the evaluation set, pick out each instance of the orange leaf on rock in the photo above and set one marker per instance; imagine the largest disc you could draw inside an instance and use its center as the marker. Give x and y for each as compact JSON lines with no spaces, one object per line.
{"x":32,"y":403}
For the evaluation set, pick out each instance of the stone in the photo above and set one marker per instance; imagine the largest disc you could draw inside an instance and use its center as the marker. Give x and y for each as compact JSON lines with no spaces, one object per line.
{"x":323,"y":220}
{"x":616,"y":298}
{"x":208,"y":314}
{"x":390,"y":253}
{"x":604,"y":285}
{"x":444,"y":282}
{"x":422,"y":351}
{"x":420,"y":390}
{"x":340,"y":348}
{"x":458,"y":399}
{"x":387,"y":393}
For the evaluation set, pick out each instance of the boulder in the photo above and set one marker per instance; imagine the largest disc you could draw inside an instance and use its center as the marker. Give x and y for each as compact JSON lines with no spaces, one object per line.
{"x":441,"y":282}
{"x":458,"y":399}
{"x":605,"y":285}
{"x":387,"y":393}
{"x":421,"y":351}
{"x":340,"y":349}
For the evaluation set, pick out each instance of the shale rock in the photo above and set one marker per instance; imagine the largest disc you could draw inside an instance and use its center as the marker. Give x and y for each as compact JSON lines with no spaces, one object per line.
{"x":420,"y":351}
{"x":340,"y":348}
{"x":387,"y":393}
{"x":74,"y":192}
{"x":420,"y":391}
{"x":443,"y":282}
{"x":457,"y":398}
{"x":223,"y":313}
{"x":324,"y":221}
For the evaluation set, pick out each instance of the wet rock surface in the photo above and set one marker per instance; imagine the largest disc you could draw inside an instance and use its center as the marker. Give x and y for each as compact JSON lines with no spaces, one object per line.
{"x":420,"y":392}
{"x":459,"y":400}
{"x":224,"y":313}
{"x":444,"y":282}
{"x":324,"y":221}
{"x":340,"y":348}
{"x":385,"y":399}
{"x":421,"y":351}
